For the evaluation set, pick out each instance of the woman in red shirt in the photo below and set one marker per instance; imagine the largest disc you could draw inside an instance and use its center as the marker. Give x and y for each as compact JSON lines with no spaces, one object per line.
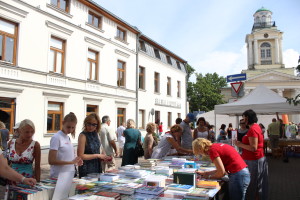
{"x":253,"y":154}
{"x":226,"y":160}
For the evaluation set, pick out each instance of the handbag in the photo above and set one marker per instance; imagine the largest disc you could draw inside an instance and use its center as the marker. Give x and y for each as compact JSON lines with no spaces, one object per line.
{"x":139,"y":148}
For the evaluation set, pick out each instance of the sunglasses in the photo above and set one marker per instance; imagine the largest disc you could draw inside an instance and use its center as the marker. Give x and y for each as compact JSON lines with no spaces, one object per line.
{"x":90,"y":124}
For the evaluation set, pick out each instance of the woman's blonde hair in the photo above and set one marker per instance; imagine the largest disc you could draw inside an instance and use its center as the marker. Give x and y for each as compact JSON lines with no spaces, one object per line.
{"x":130,"y":123}
{"x":176,"y":128}
{"x":71,"y":117}
{"x":2,"y":125}
{"x":150,"y":128}
{"x":201,"y":145}
{"x":89,"y":118}
{"x":26,"y":122}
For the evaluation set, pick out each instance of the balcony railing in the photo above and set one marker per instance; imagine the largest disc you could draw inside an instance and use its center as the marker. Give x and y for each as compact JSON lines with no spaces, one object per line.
{"x":263,"y":25}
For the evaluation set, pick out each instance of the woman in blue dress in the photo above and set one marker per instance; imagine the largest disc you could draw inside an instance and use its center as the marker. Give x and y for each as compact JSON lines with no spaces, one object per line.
{"x":131,"y":138}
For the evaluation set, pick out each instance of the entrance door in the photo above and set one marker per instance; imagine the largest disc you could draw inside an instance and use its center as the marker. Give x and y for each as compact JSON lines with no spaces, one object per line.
{"x":8,"y":105}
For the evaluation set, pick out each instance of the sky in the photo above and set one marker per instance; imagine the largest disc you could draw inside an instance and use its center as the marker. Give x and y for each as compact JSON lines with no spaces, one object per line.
{"x":209,"y":34}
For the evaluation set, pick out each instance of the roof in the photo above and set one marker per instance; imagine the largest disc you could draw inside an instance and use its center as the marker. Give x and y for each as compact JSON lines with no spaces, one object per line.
{"x":263,"y":9}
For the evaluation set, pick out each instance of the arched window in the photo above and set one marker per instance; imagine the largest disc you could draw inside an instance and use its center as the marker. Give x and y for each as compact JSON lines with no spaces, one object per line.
{"x":265,"y":54}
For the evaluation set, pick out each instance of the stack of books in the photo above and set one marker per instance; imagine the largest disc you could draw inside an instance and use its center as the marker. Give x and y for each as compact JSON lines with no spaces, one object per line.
{"x":136,"y":173}
{"x":185,"y":178}
{"x":147,"y":163}
{"x":177,"y":163}
{"x":150,"y":190}
{"x":109,"y":177}
{"x":163,"y":170}
{"x":153,"y":180}
{"x":208,"y":184}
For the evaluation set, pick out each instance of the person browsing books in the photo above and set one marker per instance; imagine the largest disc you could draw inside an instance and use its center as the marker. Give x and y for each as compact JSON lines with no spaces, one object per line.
{"x":226,"y":160}
{"x":168,"y":141}
{"x":7,"y":172}
{"x":89,"y":146}
{"x":24,"y":151}
{"x":61,"y":155}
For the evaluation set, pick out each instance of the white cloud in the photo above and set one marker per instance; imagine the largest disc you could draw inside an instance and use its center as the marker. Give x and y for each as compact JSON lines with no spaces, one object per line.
{"x":290,"y":58}
{"x":222,"y":62}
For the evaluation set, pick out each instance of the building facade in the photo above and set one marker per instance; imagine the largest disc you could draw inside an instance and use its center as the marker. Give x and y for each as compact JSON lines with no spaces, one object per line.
{"x":61,"y":56}
{"x":265,"y":60}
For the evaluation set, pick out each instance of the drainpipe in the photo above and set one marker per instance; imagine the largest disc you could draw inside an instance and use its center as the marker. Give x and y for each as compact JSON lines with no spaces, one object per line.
{"x":137,"y":80}
{"x":186,"y":86}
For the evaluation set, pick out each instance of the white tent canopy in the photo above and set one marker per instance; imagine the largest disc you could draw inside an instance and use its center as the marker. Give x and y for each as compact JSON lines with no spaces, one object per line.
{"x":262,"y":100}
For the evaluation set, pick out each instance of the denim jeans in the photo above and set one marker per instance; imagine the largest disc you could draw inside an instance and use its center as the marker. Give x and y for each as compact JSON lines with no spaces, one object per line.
{"x":238,"y":184}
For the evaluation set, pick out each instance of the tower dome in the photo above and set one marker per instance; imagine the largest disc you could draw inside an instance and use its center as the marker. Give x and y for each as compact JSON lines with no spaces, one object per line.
{"x":263,"y":19}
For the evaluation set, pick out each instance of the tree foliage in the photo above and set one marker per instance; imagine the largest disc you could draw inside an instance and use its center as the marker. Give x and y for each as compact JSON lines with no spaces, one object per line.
{"x":205,"y":93}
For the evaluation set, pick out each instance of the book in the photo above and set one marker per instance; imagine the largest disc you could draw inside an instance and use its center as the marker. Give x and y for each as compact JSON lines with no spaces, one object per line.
{"x":208,"y":184}
{"x":123,"y":190}
{"x":108,"y":194}
{"x":150,"y":190}
{"x":185,"y":178}
{"x":190,"y":164}
{"x":199,"y":192}
{"x":181,"y":187}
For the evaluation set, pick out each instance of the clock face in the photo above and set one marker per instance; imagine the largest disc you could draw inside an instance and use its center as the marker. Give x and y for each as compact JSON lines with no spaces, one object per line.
{"x":266,"y":35}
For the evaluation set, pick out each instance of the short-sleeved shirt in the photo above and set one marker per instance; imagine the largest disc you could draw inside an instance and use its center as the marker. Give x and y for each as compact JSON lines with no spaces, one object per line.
{"x":162,"y":148}
{"x":231,"y":159}
{"x":65,"y":151}
{"x":186,"y":138}
{"x":274,"y":128}
{"x":107,"y":135}
{"x":160,"y":128}
{"x":256,"y":132}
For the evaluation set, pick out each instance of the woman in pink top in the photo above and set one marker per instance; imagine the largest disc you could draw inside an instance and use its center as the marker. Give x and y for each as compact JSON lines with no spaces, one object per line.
{"x":253,"y":153}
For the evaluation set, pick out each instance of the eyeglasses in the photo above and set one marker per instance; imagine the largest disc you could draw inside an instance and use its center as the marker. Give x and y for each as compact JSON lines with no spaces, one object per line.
{"x":90,"y":124}
{"x":243,"y":123}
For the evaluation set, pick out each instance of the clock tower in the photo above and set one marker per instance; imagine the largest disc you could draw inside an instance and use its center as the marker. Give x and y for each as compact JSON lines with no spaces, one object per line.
{"x":264,"y":45}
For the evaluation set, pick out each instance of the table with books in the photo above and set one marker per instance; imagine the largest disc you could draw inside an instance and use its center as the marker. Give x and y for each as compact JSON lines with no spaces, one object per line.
{"x":170,"y":178}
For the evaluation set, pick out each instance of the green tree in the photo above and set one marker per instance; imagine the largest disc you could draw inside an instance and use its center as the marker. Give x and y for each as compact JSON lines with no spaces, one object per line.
{"x":205,"y":93}
{"x":190,"y":70}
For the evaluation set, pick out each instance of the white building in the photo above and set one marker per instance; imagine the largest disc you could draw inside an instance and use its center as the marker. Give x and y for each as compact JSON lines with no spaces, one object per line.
{"x":61,"y":56}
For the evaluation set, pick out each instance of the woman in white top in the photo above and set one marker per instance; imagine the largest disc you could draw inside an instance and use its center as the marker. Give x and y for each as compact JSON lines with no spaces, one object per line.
{"x":61,"y":155}
{"x":201,"y":131}
{"x":168,"y":141}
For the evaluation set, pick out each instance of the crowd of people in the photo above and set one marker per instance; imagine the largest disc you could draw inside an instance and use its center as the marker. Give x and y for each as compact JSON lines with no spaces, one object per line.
{"x":99,"y":145}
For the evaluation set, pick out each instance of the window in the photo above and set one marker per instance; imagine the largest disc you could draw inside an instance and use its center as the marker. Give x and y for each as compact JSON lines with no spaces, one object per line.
{"x":178,"y":115}
{"x":8,"y":41}
{"x":8,"y":105}
{"x":157,"y":117}
{"x":169,"y":60}
{"x":178,"y":65}
{"x":141,"y":119}
{"x":55,"y":117}
{"x":92,"y":71}
{"x":121,"y":115}
{"x":121,"y":34}
{"x":143,"y":46}
{"x":156,"y":52}
{"x":169,"y":119}
{"x":57,"y":55}
{"x":121,"y":74}
{"x":265,"y":54}
{"x":168,"y":86}
{"x":62,"y":4}
{"x":91,"y":109}
{"x":95,"y":20}
{"x":141,"y":77}
{"x":178,"y":89}
{"x":156,"y":82}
